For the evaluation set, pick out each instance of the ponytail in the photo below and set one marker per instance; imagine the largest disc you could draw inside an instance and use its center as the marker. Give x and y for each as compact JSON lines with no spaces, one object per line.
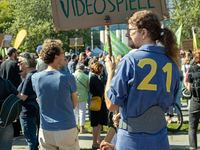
{"x":168,"y":40}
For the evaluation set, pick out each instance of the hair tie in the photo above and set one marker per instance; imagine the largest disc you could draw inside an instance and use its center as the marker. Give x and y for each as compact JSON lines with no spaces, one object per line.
{"x":161,"y":32}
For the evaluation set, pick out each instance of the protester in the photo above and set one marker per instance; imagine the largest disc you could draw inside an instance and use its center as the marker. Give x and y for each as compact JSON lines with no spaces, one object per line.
{"x":42,"y":66}
{"x":72,"y":64}
{"x":194,"y":111}
{"x":87,"y":50}
{"x":82,"y":82}
{"x":27,"y":116}
{"x":71,"y":52}
{"x":66,"y":62}
{"x":182,"y":53}
{"x":57,"y":97}
{"x":98,"y":118}
{"x":10,"y":70}
{"x":39,"y":60}
{"x":186,"y":64}
{"x":7,"y":133}
{"x":89,"y":55}
{"x":146,"y":81}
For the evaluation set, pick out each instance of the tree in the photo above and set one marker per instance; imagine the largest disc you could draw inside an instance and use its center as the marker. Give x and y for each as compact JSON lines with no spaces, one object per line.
{"x":35,"y":17}
{"x":186,"y":12}
{"x":5,"y":16}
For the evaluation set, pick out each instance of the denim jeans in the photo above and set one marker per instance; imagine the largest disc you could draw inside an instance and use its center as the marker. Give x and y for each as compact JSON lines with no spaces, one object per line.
{"x":29,"y":128}
{"x":6,"y":137}
{"x":193,"y":125}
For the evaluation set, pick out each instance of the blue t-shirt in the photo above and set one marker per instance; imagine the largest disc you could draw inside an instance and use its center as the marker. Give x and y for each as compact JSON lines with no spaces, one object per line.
{"x":53,"y":89}
{"x":26,"y":88}
{"x":144,"y":78}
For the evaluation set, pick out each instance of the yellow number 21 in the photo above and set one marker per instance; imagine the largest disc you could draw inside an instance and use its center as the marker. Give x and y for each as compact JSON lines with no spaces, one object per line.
{"x":144,"y":85}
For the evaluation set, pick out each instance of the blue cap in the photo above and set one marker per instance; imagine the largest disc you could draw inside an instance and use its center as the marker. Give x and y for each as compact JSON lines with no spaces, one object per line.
{"x":39,"y":48}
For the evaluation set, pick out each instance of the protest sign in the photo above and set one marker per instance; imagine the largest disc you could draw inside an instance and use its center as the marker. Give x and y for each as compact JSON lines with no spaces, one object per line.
{"x":77,"y":14}
{"x":187,"y":44}
{"x":5,"y":40}
{"x":117,"y":46}
{"x":76,"y":42}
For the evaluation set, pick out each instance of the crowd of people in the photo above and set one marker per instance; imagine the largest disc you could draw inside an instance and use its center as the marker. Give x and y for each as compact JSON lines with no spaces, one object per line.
{"x":57,"y":86}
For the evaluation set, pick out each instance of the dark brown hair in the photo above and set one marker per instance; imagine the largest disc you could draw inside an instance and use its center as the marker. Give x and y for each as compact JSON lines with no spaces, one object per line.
{"x":149,"y":20}
{"x":50,"y":48}
{"x":96,"y":68}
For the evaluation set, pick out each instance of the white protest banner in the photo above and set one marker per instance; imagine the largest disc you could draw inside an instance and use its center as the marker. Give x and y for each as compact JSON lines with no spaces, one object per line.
{"x":5,"y":40}
{"x":77,"y":14}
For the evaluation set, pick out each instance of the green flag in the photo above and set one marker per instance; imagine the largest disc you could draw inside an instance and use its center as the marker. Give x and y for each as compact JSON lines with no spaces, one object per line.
{"x":117,"y":46}
{"x":178,"y":35}
{"x":196,"y":43}
{"x":86,"y":46}
{"x":3,"y":53}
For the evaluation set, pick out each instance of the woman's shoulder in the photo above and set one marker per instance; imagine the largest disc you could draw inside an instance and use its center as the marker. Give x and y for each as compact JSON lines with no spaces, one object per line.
{"x":93,"y":78}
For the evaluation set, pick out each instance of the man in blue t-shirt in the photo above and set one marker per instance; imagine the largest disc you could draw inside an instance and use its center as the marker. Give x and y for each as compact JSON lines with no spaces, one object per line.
{"x":57,"y":97}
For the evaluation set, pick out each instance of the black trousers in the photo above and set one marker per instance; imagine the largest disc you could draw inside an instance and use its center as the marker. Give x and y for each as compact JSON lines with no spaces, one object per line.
{"x":193,"y":125}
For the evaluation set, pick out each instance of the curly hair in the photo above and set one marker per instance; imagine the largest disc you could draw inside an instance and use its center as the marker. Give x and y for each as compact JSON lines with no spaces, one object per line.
{"x":50,"y":48}
{"x":96,"y":68}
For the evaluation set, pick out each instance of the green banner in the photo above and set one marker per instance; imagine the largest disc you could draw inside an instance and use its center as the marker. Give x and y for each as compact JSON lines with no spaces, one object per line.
{"x":196,"y":42}
{"x":178,"y":35}
{"x":3,"y":53}
{"x":118,"y":47}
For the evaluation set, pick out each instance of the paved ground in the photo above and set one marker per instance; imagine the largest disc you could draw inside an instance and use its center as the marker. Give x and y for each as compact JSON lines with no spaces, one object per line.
{"x":177,"y":141}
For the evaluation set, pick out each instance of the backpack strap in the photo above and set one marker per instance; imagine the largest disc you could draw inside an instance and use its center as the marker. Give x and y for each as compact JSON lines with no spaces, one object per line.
{"x":7,"y":86}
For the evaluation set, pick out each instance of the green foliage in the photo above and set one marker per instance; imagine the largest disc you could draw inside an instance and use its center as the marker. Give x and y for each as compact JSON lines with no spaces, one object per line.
{"x":35,"y":17}
{"x":5,"y":15}
{"x":186,"y":12}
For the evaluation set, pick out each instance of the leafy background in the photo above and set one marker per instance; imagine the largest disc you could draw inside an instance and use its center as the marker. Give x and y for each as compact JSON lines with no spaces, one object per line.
{"x":35,"y":17}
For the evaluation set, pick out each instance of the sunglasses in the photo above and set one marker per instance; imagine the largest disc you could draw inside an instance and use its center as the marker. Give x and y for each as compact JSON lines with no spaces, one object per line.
{"x":19,"y":62}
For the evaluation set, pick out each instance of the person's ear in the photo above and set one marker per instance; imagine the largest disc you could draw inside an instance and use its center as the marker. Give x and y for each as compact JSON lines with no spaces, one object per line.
{"x":144,"y":33}
{"x":56,"y":57}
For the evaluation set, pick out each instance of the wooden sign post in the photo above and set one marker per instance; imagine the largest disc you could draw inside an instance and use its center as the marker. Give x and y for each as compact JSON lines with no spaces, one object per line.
{"x":107,"y":22}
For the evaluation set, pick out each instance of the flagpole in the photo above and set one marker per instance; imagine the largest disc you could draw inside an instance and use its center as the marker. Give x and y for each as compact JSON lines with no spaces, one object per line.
{"x":1,"y":46}
{"x":107,"y":23}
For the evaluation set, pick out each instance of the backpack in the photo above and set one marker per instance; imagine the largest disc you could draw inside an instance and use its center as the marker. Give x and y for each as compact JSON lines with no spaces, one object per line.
{"x":196,"y":84}
{"x":10,"y":108}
